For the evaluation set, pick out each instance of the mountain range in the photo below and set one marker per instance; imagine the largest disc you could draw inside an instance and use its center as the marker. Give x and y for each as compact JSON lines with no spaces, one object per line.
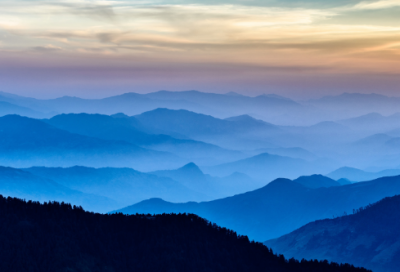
{"x":122,"y":185}
{"x":193,"y":178}
{"x":135,"y":131}
{"x":25,"y":185}
{"x":279,"y":207}
{"x":271,"y":108}
{"x":26,"y":142}
{"x":355,"y":174}
{"x":126,"y":185}
{"x":220,"y":105}
{"x":367,"y":238}
{"x":268,"y":167}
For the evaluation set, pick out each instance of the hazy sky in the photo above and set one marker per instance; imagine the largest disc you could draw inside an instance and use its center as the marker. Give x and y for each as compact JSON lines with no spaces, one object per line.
{"x":296,"y":48}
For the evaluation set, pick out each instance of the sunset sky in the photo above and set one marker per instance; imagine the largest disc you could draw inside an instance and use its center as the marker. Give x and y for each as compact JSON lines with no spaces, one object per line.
{"x":294,"y":48}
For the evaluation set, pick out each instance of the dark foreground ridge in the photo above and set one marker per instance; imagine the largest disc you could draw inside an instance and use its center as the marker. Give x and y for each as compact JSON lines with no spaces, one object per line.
{"x":370,"y":238}
{"x":59,"y":237}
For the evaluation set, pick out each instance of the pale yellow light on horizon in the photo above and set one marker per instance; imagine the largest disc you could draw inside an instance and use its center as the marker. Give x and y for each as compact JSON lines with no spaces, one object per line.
{"x":201,"y":33}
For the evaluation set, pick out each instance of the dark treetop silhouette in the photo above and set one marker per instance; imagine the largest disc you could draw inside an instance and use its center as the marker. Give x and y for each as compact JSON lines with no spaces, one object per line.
{"x":58,"y":237}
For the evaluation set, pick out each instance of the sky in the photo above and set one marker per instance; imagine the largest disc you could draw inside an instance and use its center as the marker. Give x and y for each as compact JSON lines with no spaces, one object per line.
{"x":300,"y":49}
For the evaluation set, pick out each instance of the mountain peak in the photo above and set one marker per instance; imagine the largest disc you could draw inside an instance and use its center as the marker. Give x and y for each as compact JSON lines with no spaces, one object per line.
{"x":191,"y":168}
{"x":281,"y":183}
{"x":119,"y":115}
{"x":317,"y":181}
{"x":243,"y":117}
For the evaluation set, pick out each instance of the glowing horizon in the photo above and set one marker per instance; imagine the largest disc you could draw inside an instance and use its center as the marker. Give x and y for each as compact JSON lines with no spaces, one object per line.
{"x":101,"y":47}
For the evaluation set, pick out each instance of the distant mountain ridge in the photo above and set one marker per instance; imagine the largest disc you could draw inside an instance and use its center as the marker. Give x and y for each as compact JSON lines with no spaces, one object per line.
{"x":355,"y":174}
{"x":192,"y":177}
{"x":132,"y":130}
{"x":16,"y":182}
{"x":271,"y":107}
{"x":280,"y":207}
{"x":220,"y":105}
{"x":267,"y":167}
{"x":123,"y":185}
{"x":26,"y":142}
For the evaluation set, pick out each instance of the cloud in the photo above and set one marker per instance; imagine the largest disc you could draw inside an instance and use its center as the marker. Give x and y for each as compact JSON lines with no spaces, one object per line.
{"x":266,"y":38}
{"x":384,"y":4}
{"x":47,"y":48}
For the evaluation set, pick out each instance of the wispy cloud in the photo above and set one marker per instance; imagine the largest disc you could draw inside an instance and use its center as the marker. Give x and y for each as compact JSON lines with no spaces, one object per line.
{"x":374,"y":5}
{"x":236,"y":34}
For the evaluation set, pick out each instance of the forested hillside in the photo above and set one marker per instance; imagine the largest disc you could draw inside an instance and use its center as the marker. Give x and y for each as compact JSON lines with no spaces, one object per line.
{"x":58,"y":237}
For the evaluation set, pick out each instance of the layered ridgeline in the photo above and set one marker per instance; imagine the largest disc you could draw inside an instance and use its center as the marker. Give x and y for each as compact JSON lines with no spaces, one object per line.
{"x":220,"y":105}
{"x":144,"y":134}
{"x":383,"y":147}
{"x":58,"y":237}
{"x":368,"y":238}
{"x":106,"y":189}
{"x":273,"y":108}
{"x":25,"y":185}
{"x":173,"y":131}
{"x":355,"y":174}
{"x":268,"y":167}
{"x":121,"y":185}
{"x":280,"y":207}
{"x":126,"y":186}
{"x":193,"y":178}
{"x":25,"y":142}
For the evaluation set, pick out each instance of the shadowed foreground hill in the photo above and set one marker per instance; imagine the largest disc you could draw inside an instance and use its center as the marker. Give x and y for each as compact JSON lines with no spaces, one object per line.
{"x":57,"y":237}
{"x":368,"y":238}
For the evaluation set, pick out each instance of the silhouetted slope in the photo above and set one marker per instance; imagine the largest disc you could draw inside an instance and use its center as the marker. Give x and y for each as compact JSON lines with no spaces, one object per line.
{"x":124,"y":185}
{"x":280,"y":207}
{"x":131,"y":130}
{"x":316,"y":181}
{"x":22,"y":184}
{"x":58,"y":237}
{"x":368,"y":238}
{"x":25,"y":142}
